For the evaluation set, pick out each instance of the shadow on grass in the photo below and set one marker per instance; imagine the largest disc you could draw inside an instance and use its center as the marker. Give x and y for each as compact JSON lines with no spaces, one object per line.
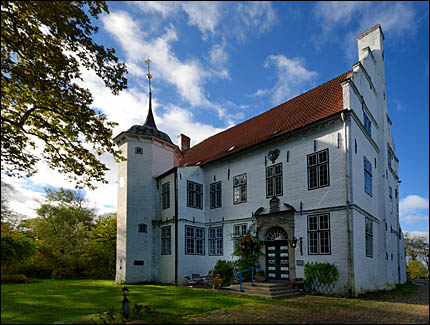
{"x":408,"y":292}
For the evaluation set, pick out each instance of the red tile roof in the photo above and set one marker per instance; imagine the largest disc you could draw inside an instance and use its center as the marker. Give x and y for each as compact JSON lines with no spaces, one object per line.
{"x":311,"y":106}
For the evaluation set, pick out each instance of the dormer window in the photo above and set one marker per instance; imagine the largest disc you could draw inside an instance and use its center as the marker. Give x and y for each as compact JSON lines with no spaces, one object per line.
{"x":231,"y":148}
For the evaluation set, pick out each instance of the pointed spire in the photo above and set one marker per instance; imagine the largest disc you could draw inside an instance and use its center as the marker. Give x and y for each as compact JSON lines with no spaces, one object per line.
{"x":150,"y":118}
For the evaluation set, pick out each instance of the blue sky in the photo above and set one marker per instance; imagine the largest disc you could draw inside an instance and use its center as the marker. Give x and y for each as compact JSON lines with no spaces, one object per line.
{"x":216,"y":64}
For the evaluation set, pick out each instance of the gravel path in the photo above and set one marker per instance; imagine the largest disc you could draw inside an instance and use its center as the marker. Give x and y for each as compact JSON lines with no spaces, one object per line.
{"x":384,"y":309}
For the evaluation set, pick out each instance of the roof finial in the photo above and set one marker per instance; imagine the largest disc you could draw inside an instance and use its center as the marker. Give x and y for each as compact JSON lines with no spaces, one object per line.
{"x":150,"y":118}
{"x":149,"y":74}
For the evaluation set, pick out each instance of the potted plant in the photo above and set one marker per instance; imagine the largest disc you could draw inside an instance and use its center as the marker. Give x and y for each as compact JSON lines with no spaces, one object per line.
{"x":217,"y":282}
{"x":260,"y":276}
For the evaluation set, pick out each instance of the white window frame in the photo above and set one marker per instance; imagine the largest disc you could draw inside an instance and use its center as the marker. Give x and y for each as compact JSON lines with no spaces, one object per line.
{"x":215,"y":241}
{"x":239,"y":188}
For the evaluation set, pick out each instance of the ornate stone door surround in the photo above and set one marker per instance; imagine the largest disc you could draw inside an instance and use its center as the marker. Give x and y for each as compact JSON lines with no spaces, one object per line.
{"x":284,"y":220}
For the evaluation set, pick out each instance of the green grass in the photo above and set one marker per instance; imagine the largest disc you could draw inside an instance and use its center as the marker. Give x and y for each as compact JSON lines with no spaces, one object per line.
{"x":83,"y":301}
{"x":78,"y":301}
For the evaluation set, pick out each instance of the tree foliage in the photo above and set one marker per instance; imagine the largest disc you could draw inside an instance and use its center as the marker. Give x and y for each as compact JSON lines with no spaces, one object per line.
{"x":16,"y":250}
{"x":417,"y":270}
{"x":100,"y":253}
{"x":43,"y":44}
{"x":62,"y":228}
{"x":417,"y":248}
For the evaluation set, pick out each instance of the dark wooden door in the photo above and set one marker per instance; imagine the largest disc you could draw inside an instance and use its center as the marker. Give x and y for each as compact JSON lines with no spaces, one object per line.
{"x":277,"y":260}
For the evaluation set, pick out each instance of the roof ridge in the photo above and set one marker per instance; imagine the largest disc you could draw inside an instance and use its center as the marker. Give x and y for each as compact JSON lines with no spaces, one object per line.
{"x":273,"y":108}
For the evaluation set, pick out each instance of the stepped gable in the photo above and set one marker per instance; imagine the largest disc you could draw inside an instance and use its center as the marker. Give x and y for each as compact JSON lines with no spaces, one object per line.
{"x":311,"y":106}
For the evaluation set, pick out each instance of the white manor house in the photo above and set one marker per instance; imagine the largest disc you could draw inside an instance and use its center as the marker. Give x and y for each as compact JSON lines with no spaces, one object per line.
{"x":320,"y":168}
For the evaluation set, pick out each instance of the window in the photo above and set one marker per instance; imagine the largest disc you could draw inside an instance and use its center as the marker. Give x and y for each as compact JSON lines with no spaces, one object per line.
{"x":194,"y":240}
{"x":389,"y":157}
{"x":390,"y":195}
{"x":166,"y":240}
{"x":215,"y":241}
{"x":165,"y":195}
{"x":367,"y":124}
{"x":239,"y":230}
{"x":142,"y":227}
{"x":137,"y":262}
{"x":318,"y":171}
{"x":274,"y":180}
{"x":239,"y":189}
{"x":215,"y":195}
{"x":369,"y":237}
{"x":138,"y":150}
{"x":367,"y":176}
{"x":319,"y":234}
{"x":195,"y":195}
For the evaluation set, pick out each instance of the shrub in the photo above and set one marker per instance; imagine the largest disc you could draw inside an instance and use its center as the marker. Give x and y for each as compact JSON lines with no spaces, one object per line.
{"x":64,"y":274}
{"x":225,"y":270}
{"x":323,"y":273}
{"x":37,"y":271}
{"x":16,"y":278}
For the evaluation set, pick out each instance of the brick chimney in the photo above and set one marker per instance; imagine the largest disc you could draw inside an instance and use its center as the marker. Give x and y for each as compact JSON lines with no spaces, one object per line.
{"x":183,"y":142}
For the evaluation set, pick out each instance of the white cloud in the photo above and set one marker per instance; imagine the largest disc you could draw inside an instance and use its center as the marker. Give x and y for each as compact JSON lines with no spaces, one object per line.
{"x":337,"y":12}
{"x":413,"y":203}
{"x":418,"y":234}
{"x":218,"y":54}
{"x":414,"y":209}
{"x":396,"y":19}
{"x":203,"y":14}
{"x":292,"y":77}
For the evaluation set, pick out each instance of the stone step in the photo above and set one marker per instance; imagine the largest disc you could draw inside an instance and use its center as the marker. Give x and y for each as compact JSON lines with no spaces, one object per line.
{"x":266,"y":289}
{"x":276,"y":294}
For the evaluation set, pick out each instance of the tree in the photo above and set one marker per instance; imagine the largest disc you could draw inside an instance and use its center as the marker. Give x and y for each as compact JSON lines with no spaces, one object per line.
{"x":99,"y":254}
{"x":16,"y":250}
{"x":62,"y":228}
{"x":417,"y":270}
{"x":43,"y":45}
{"x":417,"y":248}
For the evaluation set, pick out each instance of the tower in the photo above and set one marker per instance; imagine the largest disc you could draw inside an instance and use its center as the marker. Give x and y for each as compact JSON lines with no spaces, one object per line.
{"x":149,"y":153}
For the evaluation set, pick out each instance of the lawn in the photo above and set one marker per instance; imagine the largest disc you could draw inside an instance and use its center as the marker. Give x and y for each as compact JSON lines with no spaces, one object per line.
{"x":83,"y":301}
{"x":79,"y":301}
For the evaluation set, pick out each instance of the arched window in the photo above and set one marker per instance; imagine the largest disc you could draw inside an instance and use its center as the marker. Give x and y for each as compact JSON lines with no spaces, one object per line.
{"x":276,"y":233}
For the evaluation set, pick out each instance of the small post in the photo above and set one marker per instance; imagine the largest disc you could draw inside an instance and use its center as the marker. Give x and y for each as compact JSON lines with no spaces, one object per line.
{"x":252,"y":276}
{"x":125,"y":309}
{"x":240,"y":281}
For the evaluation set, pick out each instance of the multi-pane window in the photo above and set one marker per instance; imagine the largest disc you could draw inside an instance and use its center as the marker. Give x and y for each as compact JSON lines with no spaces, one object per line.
{"x":389,"y":157}
{"x":194,"y":195}
{"x":274,"y":180}
{"x":165,"y":195}
{"x":367,"y":123}
{"x":194,"y":240}
{"x":142,"y":227}
{"x":239,"y":189}
{"x":318,"y":170}
{"x":367,"y":176}
{"x":215,"y":241}
{"x":319,"y":234}
{"x":215,"y":195}
{"x":390,"y":195}
{"x":166,"y":240}
{"x":369,"y":237}
{"x":239,"y":230}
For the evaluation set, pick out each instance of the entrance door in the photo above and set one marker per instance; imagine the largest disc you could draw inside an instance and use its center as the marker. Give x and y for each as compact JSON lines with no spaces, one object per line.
{"x":277,"y":266}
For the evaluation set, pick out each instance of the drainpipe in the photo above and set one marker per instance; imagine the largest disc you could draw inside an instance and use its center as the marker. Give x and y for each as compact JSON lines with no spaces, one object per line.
{"x":349,"y":223}
{"x":176,"y":226}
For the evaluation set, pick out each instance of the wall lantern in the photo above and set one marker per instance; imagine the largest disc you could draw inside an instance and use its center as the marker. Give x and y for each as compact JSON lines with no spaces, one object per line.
{"x":125,"y":310}
{"x":295,"y":241}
